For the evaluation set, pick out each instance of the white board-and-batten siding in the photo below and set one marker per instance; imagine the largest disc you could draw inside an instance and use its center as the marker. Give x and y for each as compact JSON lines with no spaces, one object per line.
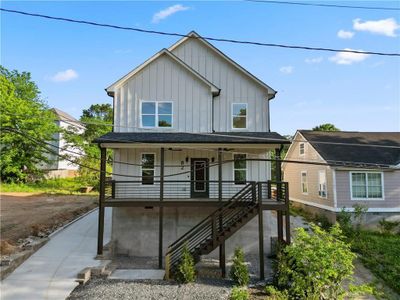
{"x":164,"y":80}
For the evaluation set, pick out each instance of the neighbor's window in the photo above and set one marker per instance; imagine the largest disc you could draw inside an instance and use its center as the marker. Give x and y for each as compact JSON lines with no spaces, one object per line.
{"x":148,"y":168}
{"x":301,"y":148}
{"x":156,"y":114}
{"x":304,"y":182}
{"x":366,"y":185}
{"x":240,"y":168}
{"x":322,"y":184}
{"x":239,"y":115}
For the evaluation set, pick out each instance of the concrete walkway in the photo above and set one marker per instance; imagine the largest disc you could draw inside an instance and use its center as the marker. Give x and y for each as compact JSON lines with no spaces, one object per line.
{"x":50,"y":273}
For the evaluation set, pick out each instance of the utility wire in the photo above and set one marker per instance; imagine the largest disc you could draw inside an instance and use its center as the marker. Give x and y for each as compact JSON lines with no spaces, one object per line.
{"x":196,"y":37}
{"x":325,"y":5}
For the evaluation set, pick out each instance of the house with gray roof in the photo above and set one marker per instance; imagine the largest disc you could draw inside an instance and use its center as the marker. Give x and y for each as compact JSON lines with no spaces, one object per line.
{"x":338,"y":169}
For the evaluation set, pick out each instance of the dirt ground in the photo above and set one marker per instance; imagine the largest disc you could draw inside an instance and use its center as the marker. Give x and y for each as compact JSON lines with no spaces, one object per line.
{"x":25,"y":214}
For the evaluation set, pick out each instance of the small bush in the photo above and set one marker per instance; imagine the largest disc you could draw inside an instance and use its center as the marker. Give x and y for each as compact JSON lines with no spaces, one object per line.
{"x":388,"y":227}
{"x":186,"y":272}
{"x":315,"y":265}
{"x":239,"y":272}
{"x":275,"y":294}
{"x":239,"y":293}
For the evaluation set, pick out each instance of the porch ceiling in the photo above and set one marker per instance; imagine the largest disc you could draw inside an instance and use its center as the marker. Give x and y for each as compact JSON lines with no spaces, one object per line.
{"x":190,"y":140}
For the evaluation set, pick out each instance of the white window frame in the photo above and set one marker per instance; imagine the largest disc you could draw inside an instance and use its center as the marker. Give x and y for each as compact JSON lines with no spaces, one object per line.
{"x":366,"y":178}
{"x":304,"y":149}
{"x":233,"y":168}
{"x":301,"y":182}
{"x":156,"y":114}
{"x":141,"y":167}
{"x":319,"y":184}
{"x":247,"y":115}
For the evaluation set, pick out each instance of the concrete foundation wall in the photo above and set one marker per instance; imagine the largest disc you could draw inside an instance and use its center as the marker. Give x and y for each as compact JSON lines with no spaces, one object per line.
{"x":135,"y":230}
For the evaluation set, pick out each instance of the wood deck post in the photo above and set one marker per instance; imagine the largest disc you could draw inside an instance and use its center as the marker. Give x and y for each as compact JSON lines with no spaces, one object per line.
{"x":278,"y":178}
{"x":287,"y":216}
{"x":100,"y":231}
{"x":260,"y":232}
{"x":161,"y":210}
{"x":222,"y":258}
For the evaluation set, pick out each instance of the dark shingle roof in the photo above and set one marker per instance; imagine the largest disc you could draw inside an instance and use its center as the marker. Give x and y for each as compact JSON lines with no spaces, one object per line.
{"x":381,"y":148}
{"x":193,"y":138}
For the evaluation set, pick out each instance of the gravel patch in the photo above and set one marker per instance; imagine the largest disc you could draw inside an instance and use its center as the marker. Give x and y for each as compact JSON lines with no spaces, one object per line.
{"x":106,"y":289}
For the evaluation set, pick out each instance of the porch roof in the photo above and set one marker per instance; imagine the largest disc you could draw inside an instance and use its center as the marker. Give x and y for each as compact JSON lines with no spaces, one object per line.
{"x":192,"y":138}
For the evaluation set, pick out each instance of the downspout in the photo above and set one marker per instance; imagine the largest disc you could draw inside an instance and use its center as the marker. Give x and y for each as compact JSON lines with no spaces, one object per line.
{"x":212,"y":110}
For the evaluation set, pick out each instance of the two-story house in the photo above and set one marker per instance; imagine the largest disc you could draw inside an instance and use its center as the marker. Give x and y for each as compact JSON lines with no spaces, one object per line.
{"x":191,"y":144}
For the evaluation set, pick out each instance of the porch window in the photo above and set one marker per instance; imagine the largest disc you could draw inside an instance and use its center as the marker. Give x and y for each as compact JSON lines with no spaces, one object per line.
{"x":322,"y":184}
{"x":240,"y":168}
{"x":148,"y":168}
{"x":366,"y":185}
{"x":239,"y":115}
{"x":156,"y":114}
{"x":304,"y":182}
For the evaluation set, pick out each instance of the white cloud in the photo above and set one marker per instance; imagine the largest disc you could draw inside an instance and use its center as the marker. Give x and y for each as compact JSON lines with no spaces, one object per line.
{"x":165,"y":13}
{"x":66,"y":75}
{"x":314,"y":60}
{"x":348,"y":58}
{"x":286,"y":70}
{"x":345,"y":34}
{"x":386,"y":27}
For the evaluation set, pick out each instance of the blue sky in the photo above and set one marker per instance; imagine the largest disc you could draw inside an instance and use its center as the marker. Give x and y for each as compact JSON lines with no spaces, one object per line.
{"x":72,"y":64}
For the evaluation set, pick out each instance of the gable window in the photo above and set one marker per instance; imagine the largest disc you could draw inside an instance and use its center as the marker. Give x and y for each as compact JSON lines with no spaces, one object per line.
{"x":156,"y":114}
{"x":322,"y":184}
{"x":148,"y":168}
{"x":239,"y":115}
{"x":304,"y":182}
{"x":239,"y":168}
{"x":366,"y":185}
{"x":301,"y":148}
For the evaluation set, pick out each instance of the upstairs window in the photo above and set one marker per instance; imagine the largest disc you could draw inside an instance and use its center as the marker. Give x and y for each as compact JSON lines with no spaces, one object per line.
{"x":366,"y":185}
{"x":301,"y":148}
{"x":304,"y":182}
{"x":156,"y":114}
{"x":148,"y":168}
{"x":239,"y":115}
{"x":322,"y":184}
{"x":239,"y":168}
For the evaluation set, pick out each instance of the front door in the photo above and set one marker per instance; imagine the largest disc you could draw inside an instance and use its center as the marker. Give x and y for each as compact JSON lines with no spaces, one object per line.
{"x":199,"y":178}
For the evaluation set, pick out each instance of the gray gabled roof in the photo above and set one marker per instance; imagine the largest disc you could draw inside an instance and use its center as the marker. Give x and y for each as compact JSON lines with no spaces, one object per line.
{"x":368,"y":148}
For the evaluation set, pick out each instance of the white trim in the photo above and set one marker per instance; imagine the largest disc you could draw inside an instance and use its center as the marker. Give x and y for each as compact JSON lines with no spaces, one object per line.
{"x":156,"y":114}
{"x":366,"y":182}
{"x":301,"y":182}
{"x":247,"y":116}
{"x":304,"y":148}
{"x":233,"y":168}
{"x":334,"y":188}
{"x":349,"y":209}
{"x":319,"y":183}
{"x":141,"y":168}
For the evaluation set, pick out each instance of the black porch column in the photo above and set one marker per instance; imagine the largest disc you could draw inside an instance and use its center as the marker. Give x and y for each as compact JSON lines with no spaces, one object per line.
{"x":100,"y":232}
{"x":161,"y":215}
{"x":260,"y":232}
{"x":278,"y":178}
{"x":222,"y":258}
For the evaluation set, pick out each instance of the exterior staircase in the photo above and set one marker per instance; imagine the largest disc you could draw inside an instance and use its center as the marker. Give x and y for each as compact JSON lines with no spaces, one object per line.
{"x":220,"y":225}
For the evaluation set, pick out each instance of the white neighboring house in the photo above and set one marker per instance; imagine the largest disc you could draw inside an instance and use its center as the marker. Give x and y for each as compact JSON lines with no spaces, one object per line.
{"x":57,"y":166}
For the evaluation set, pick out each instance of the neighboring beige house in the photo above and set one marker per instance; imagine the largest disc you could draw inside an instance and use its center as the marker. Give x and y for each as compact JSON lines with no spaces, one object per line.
{"x":362,"y":168}
{"x":57,"y":167}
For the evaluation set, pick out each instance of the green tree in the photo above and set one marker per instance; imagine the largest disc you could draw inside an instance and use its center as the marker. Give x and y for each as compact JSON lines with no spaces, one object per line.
{"x":326,"y":127}
{"x":22,"y":110}
{"x":97,"y":119}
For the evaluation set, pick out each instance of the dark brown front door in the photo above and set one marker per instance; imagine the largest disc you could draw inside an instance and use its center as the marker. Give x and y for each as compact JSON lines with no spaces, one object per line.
{"x":199,"y":187}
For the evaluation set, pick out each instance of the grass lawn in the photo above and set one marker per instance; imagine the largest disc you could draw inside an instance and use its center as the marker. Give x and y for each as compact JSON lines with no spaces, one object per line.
{"x":381,"y":254}
{"x":62,"y":186}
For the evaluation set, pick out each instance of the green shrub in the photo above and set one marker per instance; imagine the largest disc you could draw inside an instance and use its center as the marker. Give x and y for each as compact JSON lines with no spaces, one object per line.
{"x":239,"y":293}
{"x":388,"y":227}
{"x":275,"y":294}
{"x":315,"y":265}
{"x":239,"y":272}
{"x":359,"y":213}
{"x":186,"y":272}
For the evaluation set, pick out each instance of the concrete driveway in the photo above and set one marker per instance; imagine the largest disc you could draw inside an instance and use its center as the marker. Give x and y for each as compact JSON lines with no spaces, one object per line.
{"x":50,"y":273}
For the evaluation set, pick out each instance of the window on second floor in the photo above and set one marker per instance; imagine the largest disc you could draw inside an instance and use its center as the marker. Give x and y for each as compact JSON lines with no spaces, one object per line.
{"x":239,"y":115}
{"x":322,"y":184}
{"x":156,"y":114}
{"x":304,"y":182}
{"x":302,"y":148}
{"x":366,"y":185}
{"x":239,"y":168}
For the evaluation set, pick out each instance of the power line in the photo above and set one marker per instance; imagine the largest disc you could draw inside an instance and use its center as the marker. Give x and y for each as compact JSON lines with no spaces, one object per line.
{"x":197,"y":37}
{"x":325,"y":5}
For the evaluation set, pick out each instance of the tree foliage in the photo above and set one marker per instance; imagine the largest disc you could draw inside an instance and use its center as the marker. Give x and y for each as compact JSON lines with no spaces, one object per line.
{"x":22,"y":110}
{"x":186,"y":271}
{"x":326,"y":127}
{"x":239,"y":272}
